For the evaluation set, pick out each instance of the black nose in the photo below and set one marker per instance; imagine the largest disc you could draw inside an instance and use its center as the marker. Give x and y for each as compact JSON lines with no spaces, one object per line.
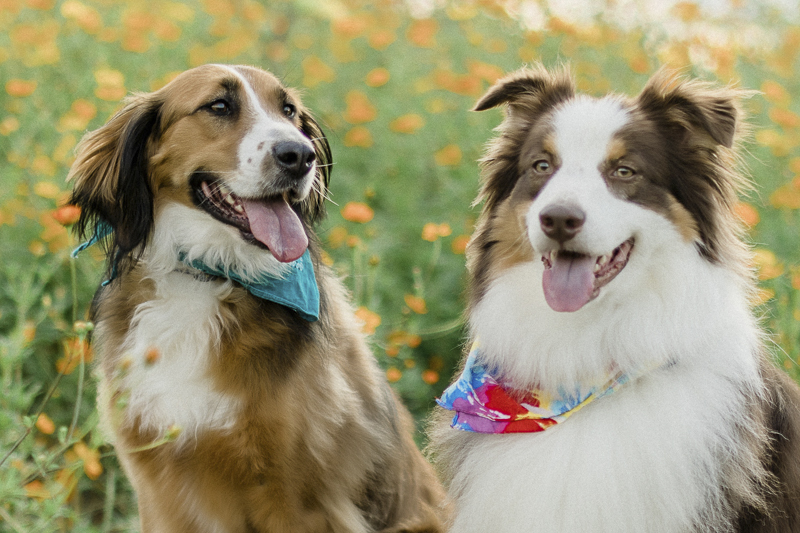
{"x":561,"y":222}
{"x":294,"y":157}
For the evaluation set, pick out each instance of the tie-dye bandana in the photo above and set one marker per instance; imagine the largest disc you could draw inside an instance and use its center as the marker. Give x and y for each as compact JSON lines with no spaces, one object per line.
{"x":482,"y":405}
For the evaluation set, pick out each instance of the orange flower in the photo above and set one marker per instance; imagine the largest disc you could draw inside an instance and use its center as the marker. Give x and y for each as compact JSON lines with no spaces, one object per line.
{"x":152,"y":355}
{"x":74,"y":350}
{"x":359,"y":108}
{"x":687,"y":11}
{"x":787,"y":196}
{"x":449,"y":156}
{"x":768,"y":265}
{"x":784,"y":117}
{"x":407,"y":123}
{"x":377,"y":77}
{"x":459,"y":244}
{"x":422,"y":33}
{"x":45,"y":424}
{"x":431,"y":377}
{"x":485,"y":71}
{"x":86,"y":17}
{"x":381,"y":39}
{"x":337,"y":236}
{"x":393,"y":374}
{"x":90,"y":458}
{"x":357,"y":212}
{"x":431,"y":231}
{"x":463,"y":84}
{"x":358,"y":137}
{"x":747,"y":214}
{"x":350,"y":27}
{"x":416,"y":304}
{"x":37,"y":490}
{"x":371,"y":320}
{"x":66,"y":215}
{"x":20,"y":88}
{"x":315,"y":71}
{"x":775,"y":93}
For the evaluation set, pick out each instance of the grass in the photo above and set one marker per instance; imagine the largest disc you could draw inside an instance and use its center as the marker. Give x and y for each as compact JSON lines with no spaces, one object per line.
{"x":393,"y":95}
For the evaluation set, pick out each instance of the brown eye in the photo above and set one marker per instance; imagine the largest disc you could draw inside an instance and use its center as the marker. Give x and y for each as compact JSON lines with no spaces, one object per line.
{"x":220,"y":107}
{"x":289,"y":110}
{"x":624,"y":173}
{"x":542,"y":166}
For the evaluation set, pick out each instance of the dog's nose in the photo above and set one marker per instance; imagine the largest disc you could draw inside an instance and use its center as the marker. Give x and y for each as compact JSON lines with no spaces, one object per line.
{"x":294,"y":157}
{"x":561,"y":222}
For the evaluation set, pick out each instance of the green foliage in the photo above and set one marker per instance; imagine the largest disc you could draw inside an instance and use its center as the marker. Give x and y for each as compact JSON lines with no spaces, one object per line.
{"x":393,"y":94}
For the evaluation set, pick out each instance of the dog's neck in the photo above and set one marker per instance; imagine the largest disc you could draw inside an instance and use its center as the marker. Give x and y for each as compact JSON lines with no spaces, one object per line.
{"x":484,"y":404}
{"x":296,"y":289}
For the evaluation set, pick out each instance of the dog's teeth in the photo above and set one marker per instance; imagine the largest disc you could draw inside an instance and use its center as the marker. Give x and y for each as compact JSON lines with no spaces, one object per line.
{"x":603,"y":260}
{"x":238,"y":208}
{"x":224,"y":190}
{"x":229,"y":200}
{"x":597,"y":267}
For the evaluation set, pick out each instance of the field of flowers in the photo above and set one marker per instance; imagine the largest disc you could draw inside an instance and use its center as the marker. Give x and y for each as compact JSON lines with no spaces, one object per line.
{"x":392,"y":87}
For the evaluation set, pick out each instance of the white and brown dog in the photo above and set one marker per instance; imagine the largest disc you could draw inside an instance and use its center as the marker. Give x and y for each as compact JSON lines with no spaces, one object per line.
{"x":620,"y":380}
{"x":234,"y":377}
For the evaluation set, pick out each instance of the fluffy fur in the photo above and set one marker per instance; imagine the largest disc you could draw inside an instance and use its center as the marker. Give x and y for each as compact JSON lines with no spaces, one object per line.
{"x":706,"y":439}
{"x":231,"y":413}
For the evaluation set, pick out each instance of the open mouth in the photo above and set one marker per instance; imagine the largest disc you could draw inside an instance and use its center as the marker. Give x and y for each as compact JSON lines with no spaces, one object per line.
{"x":270,"y":222}
{"x":572,"y":279}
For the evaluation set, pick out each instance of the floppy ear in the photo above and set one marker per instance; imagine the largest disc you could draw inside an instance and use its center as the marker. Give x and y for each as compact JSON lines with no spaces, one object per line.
{"x":529,"y":93}
{"x":111,"y":177}
{"x":708,"y":113}
{"x":700,"y":123}
{"x":314,"y":206}
{"x":528,"y":87}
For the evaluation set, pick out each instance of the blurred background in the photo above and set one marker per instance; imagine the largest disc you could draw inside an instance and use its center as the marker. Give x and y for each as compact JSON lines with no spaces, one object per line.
{"x":392,"y":83}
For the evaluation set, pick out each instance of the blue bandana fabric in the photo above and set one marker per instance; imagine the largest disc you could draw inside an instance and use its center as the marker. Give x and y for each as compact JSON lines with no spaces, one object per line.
{"x":297,"y":289}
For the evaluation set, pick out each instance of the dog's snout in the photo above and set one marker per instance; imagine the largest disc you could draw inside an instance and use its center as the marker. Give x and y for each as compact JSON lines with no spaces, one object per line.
{"x":294,"y":157}
{"x":561,"y":222}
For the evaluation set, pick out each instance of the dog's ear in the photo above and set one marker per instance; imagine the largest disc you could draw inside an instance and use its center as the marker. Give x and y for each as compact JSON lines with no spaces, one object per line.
{"x":528,"y":88}
{"x":700,"y":124}
{"x":314,"y":206}
{"x":111,"y":178}
{"x":698,"y":109}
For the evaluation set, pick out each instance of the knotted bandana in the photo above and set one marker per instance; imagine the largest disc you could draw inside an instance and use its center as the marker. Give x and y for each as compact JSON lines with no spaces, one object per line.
{"x":483,"y":405}
{"x":297,"y":289}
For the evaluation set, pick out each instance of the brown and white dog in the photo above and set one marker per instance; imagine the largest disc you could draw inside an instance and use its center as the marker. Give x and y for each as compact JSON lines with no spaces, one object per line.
{"x":232,"y":413}
{"x":608,"y":245}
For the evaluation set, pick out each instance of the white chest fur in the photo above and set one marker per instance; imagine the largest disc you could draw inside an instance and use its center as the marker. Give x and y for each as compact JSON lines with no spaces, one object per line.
{"x":169,"y":348}
{"x":648,"y":458}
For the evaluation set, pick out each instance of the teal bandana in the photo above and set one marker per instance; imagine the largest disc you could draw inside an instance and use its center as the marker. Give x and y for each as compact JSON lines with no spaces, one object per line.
{"x":297,"y":289}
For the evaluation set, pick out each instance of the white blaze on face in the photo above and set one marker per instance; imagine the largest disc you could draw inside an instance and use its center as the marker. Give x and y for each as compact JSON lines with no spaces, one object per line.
{"x":582,"y":132}
{"x":268,"y":128}
{"x":272,"y":221}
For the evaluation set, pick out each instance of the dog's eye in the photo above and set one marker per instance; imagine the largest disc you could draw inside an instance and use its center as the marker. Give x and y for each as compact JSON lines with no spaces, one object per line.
{"x":624,"y":173}
{"x":289,"y":110}
{"x":220,"y":107}
{"x":542,"y":166}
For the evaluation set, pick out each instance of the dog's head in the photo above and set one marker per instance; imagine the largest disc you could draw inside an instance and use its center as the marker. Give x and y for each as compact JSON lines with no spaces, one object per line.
{"x":222,"y":157}
{"x":585,"y":185}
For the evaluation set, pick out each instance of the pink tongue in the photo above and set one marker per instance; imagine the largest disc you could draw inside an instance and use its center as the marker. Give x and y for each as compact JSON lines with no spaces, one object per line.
{"x":277,"y":226}
{"x":568,"y":285}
